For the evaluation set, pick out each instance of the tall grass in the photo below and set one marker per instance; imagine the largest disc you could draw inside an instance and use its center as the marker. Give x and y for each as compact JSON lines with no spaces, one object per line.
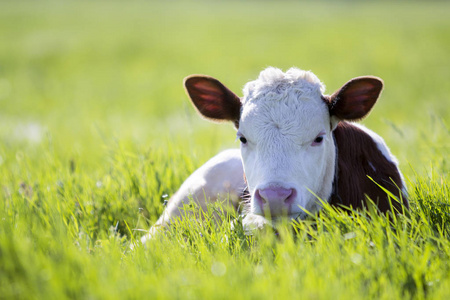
{"x":96,"y":132}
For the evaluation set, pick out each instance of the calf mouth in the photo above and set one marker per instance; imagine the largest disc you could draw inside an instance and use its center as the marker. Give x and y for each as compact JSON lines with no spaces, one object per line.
{"x":252,"y":222}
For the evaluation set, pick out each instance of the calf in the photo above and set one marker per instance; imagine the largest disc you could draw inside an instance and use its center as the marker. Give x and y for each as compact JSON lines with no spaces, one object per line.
{"x":297,"y":145}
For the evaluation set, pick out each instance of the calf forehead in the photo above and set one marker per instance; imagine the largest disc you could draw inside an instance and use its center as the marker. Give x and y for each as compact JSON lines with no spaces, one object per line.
{"x":287,"y":118}
{"x":288,"y":103}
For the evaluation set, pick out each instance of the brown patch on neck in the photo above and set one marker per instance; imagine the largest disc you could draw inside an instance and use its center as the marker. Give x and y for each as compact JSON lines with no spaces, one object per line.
{"x":359,"y":158}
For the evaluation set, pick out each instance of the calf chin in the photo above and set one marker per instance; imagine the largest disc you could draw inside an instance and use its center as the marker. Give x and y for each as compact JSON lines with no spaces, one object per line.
{"x":252,"y":222}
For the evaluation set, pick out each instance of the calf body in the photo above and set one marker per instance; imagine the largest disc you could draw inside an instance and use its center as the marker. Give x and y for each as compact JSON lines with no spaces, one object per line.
{"x":297,"y":145}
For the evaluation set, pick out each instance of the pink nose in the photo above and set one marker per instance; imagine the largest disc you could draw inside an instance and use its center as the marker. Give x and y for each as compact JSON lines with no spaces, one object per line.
{"x":277,"y":200}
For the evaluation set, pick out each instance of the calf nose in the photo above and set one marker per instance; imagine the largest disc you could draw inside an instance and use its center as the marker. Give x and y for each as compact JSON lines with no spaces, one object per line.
{"x":277,"y":200}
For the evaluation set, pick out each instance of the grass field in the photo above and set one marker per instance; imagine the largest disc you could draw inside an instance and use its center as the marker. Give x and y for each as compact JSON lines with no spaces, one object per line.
{"x":96,"y":132}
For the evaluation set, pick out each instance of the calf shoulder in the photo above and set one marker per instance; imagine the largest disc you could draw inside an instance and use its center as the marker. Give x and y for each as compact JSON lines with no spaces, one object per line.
{"x":363,"y":154}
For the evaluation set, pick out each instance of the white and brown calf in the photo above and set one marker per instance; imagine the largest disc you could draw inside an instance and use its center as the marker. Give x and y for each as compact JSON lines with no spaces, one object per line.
{"x":297,"y":145}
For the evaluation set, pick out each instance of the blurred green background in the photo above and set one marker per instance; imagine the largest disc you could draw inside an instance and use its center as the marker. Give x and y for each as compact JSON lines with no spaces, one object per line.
{"x":88,"y":74}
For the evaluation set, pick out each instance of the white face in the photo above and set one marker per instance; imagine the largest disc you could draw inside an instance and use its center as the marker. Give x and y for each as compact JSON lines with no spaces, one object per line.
{"x":285,"y":128}
{"x":287,"y":146}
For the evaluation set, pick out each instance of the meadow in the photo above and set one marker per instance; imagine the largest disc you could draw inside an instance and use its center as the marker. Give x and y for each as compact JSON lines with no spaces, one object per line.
{"x":96,"y":133}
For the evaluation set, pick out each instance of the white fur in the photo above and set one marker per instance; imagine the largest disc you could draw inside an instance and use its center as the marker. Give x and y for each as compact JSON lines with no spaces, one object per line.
{"x":282,"y":114}
{"x":220,"y":177}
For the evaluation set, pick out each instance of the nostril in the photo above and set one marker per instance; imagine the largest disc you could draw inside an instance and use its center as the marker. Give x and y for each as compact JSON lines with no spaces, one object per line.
{"x":259,"y":198}
{"x":291,"y":197}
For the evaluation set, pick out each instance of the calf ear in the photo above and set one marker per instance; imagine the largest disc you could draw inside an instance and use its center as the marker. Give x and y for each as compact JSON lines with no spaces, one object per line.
{"x":212,"y":99}
{"x":355,"y":99}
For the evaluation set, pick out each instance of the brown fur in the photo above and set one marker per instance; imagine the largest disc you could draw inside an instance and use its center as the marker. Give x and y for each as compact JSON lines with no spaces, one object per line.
{"x":355,"y":150}
{"x":355,"y":99}
{"x":212,"y":99}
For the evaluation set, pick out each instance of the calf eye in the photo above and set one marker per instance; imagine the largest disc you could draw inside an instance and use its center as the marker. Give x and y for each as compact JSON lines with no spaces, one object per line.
{"x":243,"y":140}
{"x":319,"y":139}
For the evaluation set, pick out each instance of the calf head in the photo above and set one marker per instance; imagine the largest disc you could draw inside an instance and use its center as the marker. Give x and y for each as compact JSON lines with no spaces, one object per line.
{"x":285,"y":125}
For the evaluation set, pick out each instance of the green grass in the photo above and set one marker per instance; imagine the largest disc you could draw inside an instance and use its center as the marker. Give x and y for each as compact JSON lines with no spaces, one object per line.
{"x":96,"y":131}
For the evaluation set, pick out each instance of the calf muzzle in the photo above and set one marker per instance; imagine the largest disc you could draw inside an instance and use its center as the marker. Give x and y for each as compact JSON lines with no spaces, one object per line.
{"x":275,"y":201}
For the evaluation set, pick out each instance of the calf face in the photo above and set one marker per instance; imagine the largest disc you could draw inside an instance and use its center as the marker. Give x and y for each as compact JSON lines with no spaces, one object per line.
{"x":285,"y":126}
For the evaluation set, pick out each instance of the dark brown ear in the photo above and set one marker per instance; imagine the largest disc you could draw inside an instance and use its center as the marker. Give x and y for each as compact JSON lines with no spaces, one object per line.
{"x":212,"y":99}
{"x":356,"y":98}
